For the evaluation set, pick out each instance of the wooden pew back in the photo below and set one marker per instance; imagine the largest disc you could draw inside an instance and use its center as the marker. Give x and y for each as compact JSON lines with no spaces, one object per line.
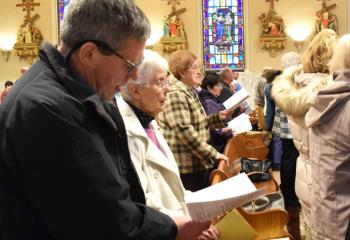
{"x":269,"y":224}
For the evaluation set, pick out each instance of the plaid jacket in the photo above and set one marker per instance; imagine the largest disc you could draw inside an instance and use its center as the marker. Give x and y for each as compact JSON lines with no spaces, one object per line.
{"x":185,"y":127}
{"x":280,"y":124}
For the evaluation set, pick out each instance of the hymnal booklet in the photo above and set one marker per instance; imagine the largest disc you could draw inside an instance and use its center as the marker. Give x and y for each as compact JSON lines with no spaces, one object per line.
{"x":211,"y":202}
{"x":240,"y":124}
{"x":236,"y":99}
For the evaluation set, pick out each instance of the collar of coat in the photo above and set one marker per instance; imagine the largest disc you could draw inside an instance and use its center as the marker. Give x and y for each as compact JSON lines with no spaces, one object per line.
{"x":179,"y":85}
{"x":292,"y":90}
{"x":143,"y":117}
{"x":135,"y":129}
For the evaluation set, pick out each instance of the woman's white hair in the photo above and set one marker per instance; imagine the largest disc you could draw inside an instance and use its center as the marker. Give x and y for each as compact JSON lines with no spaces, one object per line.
{"x":341,"y":57}
{"x":151,"y":64}
{"x":290,"y":59}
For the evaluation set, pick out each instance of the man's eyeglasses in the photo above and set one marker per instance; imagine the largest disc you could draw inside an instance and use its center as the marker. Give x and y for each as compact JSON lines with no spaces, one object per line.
{"x":131,"y":66}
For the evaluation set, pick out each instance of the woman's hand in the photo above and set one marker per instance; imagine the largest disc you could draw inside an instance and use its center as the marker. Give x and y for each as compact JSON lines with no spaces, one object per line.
{"x":227,"y":130}
{"x":225,"y":115}
{"x":224,"y":158}
{"x":210,"y":234}
{"x":189,"y":229}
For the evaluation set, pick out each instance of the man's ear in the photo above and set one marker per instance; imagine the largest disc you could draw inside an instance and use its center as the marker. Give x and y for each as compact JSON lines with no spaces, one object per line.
{"x":134,"y":91}
{"x":88,"y":54}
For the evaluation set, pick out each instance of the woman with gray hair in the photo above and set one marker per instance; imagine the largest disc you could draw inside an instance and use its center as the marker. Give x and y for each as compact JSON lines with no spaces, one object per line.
{"x":142,"y":100}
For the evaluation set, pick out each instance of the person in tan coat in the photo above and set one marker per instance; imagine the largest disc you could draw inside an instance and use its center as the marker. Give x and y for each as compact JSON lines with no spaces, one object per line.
{"x":291,"y":92}
{"x":329,"y":120}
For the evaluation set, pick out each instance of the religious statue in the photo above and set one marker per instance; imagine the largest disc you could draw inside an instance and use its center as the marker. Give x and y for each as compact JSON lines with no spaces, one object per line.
{"x":180,"y":29}
{"x":174,"y":36}
{"x":165,"y":23}
{"x":272,"y":24}
{"x":29,"y":37}
{"x":28,"y":34}
{"x":324,"y":20}
{"x":273,"y":37}
{"x":172,"y":26}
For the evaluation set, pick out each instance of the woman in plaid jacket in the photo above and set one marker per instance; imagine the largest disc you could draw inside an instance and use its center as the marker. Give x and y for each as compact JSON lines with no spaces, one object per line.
{"x":186,"y":126}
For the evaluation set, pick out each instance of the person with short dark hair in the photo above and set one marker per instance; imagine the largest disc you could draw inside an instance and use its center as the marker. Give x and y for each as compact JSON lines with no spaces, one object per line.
{"x":8,"y":86}
{"x":65,"y":165}
{"x":211,"y":89}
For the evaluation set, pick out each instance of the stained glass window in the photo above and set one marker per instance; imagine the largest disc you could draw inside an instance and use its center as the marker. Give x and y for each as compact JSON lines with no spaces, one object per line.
{"x":61,"y":5}
{"x":223,"y":34}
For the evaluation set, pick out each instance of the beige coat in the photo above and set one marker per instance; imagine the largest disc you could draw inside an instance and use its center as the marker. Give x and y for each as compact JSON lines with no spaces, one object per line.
{"x":157,"y":170}
{"x":291,"y":91}
{"x":329,"y":120}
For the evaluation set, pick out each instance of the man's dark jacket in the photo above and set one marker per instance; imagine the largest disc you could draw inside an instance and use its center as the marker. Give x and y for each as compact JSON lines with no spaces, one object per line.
{"x":65,"y":168}
{"x":226,"y":92}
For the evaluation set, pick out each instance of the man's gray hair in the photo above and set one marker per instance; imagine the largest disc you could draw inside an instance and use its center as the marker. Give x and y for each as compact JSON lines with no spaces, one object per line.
{"x":108,"y":21}
{"x":223,"y":73}
{"x":290,"y":59}
{"x":151,"y":64}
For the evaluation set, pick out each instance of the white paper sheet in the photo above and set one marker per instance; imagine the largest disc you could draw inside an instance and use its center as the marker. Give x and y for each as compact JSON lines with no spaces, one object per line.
{"x":236,"y":99}
{"x":240,"y":124}
{"x":213,"y":201}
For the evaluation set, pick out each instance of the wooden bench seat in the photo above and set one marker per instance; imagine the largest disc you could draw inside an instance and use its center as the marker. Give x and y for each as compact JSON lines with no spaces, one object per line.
{"x":270,"y":224}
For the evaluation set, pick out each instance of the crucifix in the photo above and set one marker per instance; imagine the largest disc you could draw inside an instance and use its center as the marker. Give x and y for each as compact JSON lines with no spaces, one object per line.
{"x":272,"y":4}
{"x":27,"y":6}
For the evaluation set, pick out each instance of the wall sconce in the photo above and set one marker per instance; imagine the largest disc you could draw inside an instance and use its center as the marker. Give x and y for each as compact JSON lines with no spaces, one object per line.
{"x":298,"y":45}
{"x":6,"y":45}
{"x":299,"y":32}
{"x":6,"y":54}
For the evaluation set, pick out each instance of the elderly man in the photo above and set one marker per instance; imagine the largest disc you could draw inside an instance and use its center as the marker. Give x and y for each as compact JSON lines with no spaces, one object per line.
{"x":229,"y":82}
{"x":65,"y":167}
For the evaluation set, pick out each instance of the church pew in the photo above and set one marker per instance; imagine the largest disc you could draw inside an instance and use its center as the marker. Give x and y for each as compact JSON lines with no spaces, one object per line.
{"x":270,"y":224}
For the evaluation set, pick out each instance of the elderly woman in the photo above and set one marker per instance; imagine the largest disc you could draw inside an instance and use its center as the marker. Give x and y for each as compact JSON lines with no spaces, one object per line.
{"x":329,"y":120}
{"x":291,"y":92}
{"x":142,"y":100}
{"x":185,"y":124}
{"x":209,"y":96}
